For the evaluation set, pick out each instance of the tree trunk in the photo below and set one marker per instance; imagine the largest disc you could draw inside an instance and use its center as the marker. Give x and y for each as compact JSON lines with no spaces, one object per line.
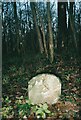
{"x":43,"y":33}
{"x":62,"y":25}
{"x":16,"y":27}
{"x":73,"y":30}
{"x":32,"y":4}
{"x":79,"y":21}
{"x":71,"y":27}
{"x":50,"y":37}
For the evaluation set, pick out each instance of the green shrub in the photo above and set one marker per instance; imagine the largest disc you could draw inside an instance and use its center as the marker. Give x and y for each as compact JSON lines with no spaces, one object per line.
{"x":41,"y":110}
{"x":24,"y":108}
{"x":7,"y":109}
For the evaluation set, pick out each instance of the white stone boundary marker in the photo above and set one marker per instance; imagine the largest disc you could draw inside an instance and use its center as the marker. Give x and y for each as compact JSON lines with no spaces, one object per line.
{"x":44,"y":88}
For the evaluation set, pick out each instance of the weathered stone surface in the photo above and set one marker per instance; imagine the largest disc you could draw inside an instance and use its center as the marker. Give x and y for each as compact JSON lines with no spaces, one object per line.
{"x":44,"y":88}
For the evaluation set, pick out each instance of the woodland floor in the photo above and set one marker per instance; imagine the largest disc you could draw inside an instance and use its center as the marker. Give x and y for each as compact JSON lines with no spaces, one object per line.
{"x":17,"y":72}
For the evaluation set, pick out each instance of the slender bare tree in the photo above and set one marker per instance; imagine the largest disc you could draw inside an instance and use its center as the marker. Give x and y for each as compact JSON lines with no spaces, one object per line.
{"x":33,"y":8}
{"x":50,"y":35}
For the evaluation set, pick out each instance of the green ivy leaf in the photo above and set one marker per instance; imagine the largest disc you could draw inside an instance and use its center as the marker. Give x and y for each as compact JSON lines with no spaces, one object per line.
{"x":47,"y":111}
{"x":39,"y":111}
{"x":45,"y":106}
